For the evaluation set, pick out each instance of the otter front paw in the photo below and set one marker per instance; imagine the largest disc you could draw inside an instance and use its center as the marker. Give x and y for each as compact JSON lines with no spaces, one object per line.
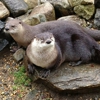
{"x":75,"y":63}
{"x":44,"y":73}
{"x":30,"y":69}
{"x":14,"y":47}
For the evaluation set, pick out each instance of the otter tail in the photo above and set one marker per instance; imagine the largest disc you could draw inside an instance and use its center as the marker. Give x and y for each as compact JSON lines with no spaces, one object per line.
{"x":93,"y":33}
{"x":96,"y":57}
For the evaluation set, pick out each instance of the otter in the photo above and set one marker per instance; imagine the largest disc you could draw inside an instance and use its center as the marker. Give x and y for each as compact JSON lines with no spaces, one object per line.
{"x":44,"y":52}
{"x":23,"y":33}
{"x":50,"y":51}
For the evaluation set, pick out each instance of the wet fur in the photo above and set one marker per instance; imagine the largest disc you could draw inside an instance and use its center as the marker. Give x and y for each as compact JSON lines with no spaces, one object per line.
{"x":39,"y":53}
{"x":73,"y":43}
{"x":25,"y":33}
{"x":74,"y":48}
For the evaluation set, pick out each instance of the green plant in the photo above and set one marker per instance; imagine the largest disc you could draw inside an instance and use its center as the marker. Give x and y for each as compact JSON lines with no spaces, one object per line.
{"x":21,"y":78}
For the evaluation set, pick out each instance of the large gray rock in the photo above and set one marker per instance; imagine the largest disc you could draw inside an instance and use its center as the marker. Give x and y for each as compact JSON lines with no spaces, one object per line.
{"x":41,"y":13}
{"x":32,"y":95}
{"x":1,"y":25}
{"x":4,"y":12}
{"x":16,"y":7}
{"x":3,"y":43}
{"x":97,"y":19}
{"x":33,"y":20}
{"x":2,"y":35}
{"x":19,"y":55}
{"x":62,"y":7}
{"x":80,"y":79}
{"x":74,"y":18}
{"x":47,"y":9}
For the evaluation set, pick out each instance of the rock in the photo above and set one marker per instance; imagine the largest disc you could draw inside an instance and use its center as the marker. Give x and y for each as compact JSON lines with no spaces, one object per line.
{"x":75,"y":18}
{"x":85,"y":11}
{"x":85,"y":2}
{"x":4,"y":12}
{"x":1,"y":25}
{"x":36,"y":19}
{"x":16,"y":7}
{"x":25,"y":18}
{"x":47,"y":9}
{"x":32,"y":95}
{"x":19,"y":54}
{"x":2,"y":35}
{"x":80,"y":79}
{"x":97,"y":19}
{"x":39,"y":14}
{"x":97,"y":3}
{"x":62,"y":7}
{"x":33,"y":20}
{"x":3,"y":43}
{"x":31,"y":3}
{"x":41,"y":94}
{"x":74,"y":3}
{"x":83,"y":8}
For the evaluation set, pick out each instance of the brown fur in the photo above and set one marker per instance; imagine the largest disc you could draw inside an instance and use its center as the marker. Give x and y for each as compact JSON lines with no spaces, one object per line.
{"x":25,"y":33}
{"x":73,"y":42}
{"x":75,"y":48}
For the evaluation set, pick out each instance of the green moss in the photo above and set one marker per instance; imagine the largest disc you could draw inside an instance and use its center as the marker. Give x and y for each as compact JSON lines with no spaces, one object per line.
{"x":14,"y":87}
{"x":85,"y":11}
{"x":21,"y":78}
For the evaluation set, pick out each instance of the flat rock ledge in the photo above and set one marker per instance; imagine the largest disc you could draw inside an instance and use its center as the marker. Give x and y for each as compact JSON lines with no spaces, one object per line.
{"x":80,"y":79}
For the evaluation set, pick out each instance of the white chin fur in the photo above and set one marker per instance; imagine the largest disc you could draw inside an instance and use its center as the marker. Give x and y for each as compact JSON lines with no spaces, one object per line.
{"x":10,"y":32}
{"x":5,"y":31}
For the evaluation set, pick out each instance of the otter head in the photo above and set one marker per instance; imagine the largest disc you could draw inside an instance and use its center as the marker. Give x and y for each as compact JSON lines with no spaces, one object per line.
{"x":43,"y":41}
{"x":12,"y":26}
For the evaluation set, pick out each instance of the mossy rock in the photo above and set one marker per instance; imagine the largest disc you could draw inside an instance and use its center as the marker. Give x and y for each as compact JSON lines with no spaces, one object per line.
{"x":85,"y":11}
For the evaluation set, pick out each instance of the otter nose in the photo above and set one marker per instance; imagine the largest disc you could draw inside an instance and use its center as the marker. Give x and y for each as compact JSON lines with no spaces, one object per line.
{"x":6,"y":29}
{"x":48,"y":41}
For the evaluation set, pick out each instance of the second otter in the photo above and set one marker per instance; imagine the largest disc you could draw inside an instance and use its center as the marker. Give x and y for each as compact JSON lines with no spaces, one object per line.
{"x":23,"y":33}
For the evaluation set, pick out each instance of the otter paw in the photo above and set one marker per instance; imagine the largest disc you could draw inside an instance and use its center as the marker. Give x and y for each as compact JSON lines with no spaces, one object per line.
{"x":75,"y":63}
{"x":30,"y":69}
{"x":14,"y":47}
{"x":44,"y":73}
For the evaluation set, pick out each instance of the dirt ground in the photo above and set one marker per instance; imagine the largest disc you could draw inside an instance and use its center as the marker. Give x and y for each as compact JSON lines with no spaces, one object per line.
{"x":8,"y":66}
{"x":8,"y":92}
